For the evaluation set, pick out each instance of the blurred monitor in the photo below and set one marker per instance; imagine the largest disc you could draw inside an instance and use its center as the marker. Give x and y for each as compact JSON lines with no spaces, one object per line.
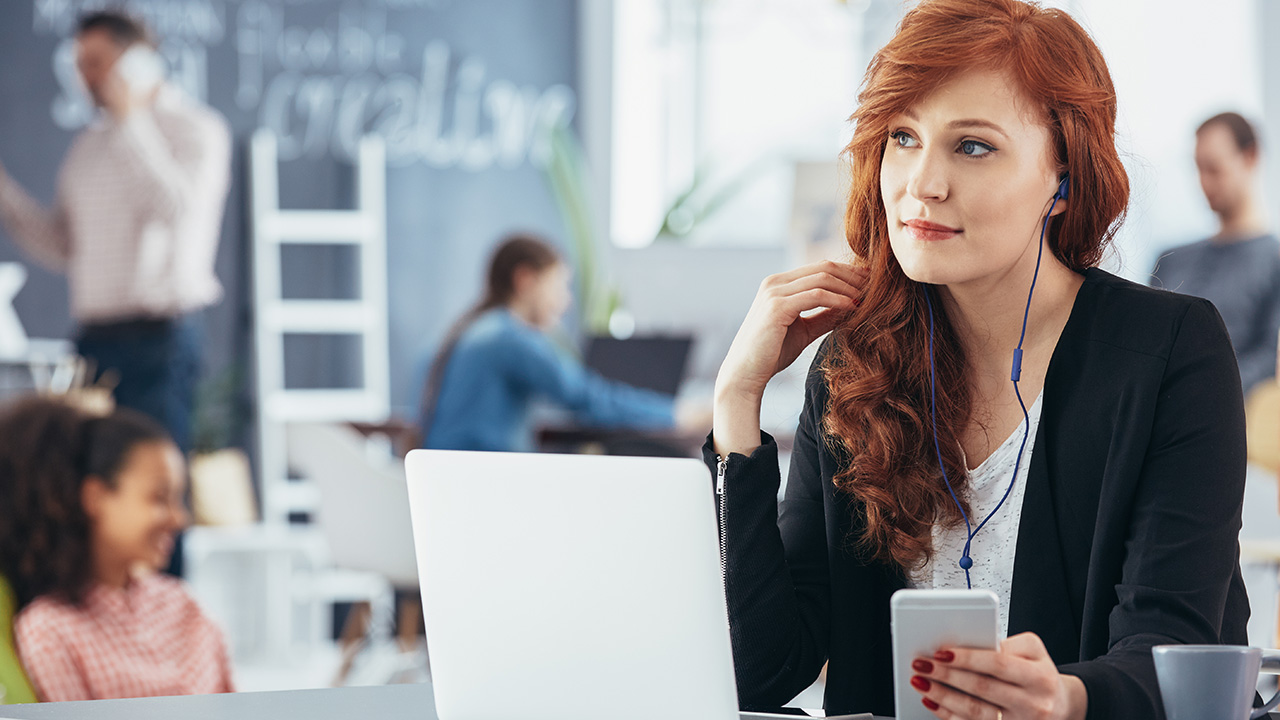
{"x":655,"y":362}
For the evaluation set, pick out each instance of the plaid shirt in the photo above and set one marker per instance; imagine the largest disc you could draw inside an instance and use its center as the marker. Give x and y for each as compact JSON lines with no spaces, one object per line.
{"x":138,"y":211}
{"x":146,"y":640}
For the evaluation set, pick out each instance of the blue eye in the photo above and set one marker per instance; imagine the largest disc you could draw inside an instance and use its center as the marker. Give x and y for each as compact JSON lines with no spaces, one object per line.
{"x":903,"y":140}
{"x":973,"y":148}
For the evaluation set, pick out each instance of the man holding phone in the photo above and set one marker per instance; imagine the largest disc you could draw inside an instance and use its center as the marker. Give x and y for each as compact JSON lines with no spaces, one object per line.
{"x":136,"y":220}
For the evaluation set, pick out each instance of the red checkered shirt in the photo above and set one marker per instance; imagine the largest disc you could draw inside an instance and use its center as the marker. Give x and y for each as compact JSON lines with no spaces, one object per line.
{"x":146,"y":640}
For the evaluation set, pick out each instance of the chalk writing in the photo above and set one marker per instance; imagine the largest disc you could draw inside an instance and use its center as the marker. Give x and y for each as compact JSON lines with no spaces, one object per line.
{"x":321,"y":86}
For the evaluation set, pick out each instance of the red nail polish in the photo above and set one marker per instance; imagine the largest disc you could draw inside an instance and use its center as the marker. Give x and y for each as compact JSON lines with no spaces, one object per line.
{"x":922,"y":666}
{"x":920,"y":683}
{"x":944,"y":656}
{"x":929,"y":703}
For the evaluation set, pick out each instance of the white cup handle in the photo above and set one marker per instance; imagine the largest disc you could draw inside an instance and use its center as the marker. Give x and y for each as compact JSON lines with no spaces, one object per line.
{"x":1270,"y":666}
{"x":1271,"y":662}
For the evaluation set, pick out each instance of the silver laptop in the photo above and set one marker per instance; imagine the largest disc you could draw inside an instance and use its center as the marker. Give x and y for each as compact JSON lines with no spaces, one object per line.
{"x":567,"y":587}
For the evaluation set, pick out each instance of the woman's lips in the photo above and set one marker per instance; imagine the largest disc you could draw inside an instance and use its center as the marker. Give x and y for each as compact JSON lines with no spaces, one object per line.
{"x":929,"y":232}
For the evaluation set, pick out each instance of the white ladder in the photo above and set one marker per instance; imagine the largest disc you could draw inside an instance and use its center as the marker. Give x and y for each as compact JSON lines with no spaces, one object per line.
{"x":364,"y":229}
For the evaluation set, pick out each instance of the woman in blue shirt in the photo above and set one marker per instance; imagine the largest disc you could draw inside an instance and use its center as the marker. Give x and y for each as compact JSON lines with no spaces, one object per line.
{"x":497,"y":359}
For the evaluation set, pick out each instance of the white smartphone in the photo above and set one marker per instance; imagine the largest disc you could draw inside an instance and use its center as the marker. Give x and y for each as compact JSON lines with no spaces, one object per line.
{"x":923,"y":621}
{"x":141,"y":68}
{"x":789,"y":712}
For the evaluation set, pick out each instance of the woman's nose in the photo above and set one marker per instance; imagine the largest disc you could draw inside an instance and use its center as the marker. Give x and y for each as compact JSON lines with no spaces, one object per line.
{"x":928,"y":181}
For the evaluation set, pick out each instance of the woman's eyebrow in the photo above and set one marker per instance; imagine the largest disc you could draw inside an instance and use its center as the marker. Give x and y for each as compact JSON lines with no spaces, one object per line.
{"x":975,"y":122}
{"x":963,"y":123}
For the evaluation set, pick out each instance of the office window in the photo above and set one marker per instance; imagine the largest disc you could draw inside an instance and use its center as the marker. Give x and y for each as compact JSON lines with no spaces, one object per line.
{"x":718,"y":99}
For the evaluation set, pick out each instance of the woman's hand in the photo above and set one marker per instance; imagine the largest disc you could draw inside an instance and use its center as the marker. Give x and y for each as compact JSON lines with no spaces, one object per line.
{"x":772,"y":336}
{"x":1017,"y":682}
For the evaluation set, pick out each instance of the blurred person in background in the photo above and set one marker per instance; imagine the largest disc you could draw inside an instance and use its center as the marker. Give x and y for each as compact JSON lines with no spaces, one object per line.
{"x":497,"y":359}
{"x":1238,"y":269}
{"x":89,"y":510}
{"x":135,"y":221}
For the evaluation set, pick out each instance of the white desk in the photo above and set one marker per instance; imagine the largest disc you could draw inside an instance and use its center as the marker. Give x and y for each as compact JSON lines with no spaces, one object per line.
{"x":388,"y":702}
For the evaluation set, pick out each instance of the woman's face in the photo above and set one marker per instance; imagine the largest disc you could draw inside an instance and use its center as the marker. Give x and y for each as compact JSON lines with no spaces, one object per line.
{"x":135,"y":521}
{"x":548,"y":294}
{"x":967,"y":178}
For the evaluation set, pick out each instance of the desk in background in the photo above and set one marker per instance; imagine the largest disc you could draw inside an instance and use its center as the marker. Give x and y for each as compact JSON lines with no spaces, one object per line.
{"x":620,"y":441}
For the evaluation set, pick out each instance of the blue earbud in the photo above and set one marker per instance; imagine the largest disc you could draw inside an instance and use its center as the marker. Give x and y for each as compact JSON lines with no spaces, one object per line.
{"x":966,"y":562}
{"x":1064,"y":188}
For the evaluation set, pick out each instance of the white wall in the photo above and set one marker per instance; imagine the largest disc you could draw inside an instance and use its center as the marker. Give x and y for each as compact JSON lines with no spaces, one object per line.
{"x":1174,"y":65}
{"x":674,"y":288}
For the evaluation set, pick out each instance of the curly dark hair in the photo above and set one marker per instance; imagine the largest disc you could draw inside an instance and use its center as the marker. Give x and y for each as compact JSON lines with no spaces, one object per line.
{"x":47,"y":450}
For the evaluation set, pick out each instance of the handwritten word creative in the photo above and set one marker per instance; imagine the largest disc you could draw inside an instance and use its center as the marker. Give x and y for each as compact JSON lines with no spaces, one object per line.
{"x":344,"y":72}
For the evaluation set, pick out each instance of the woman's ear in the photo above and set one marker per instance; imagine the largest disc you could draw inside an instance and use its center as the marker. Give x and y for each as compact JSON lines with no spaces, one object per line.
{"x":93,"y":494}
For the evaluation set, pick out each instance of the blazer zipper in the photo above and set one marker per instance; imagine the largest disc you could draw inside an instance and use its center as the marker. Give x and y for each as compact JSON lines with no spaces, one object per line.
{"x":721,"y":465}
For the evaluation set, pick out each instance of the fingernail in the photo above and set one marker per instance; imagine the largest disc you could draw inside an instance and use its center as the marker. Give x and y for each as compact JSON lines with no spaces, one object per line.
{"x":929,"y":703}
{"x":944,"y":656}
{"x":922,"y":666}
{"x":920,"y":683}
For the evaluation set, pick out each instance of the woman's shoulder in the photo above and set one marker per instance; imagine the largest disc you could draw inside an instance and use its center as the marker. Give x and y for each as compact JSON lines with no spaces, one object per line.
{"x":45,"y":615}
{"x":1130,"y":316}
{"x":815,"y":383}
{"x":1122,"y":294}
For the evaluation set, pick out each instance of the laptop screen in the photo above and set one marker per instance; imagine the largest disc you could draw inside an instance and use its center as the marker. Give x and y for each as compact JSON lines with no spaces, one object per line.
{"x":655,"y":362}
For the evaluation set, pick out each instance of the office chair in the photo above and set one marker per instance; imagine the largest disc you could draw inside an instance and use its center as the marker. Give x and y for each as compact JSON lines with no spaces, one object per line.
{"x":363,"y":514}
{"x":14,"y":686}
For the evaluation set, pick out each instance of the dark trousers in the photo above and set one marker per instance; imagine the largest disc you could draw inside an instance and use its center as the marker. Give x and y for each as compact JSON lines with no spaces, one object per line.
{"x":158,"y":364}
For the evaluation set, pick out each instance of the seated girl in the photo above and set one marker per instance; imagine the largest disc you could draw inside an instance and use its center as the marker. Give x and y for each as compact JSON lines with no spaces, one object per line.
{"x":89,"y":507}
{"x":498,"y":359}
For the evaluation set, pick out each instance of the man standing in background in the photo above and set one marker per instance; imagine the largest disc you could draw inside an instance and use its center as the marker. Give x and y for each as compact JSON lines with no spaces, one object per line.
{"x":1238,"y":269}
{"x":136,"y":220}
{"x":135,"y":223}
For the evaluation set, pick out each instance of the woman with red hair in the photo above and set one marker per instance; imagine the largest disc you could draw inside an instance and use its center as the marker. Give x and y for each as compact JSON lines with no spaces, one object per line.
{"x":1098,"y":495}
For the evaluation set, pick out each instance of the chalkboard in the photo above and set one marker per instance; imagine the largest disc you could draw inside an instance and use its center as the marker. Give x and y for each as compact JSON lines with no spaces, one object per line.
{"x":464,"y":92}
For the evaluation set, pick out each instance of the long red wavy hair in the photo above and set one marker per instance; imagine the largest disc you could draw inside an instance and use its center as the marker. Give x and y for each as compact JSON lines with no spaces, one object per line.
{"x":877,"y":367}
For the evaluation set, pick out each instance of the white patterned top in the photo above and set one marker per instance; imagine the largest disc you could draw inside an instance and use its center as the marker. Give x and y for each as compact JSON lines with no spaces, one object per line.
{"x":992,"y":550}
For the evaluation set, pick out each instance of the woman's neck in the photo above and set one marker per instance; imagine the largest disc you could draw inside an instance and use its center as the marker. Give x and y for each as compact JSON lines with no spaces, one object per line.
{"x":113,"y":573}
{"x":521,"y":310}
{"x":988,"y":313}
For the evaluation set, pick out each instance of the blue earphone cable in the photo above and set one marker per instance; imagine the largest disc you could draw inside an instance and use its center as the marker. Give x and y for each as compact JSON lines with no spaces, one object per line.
{"x":966,"y":562}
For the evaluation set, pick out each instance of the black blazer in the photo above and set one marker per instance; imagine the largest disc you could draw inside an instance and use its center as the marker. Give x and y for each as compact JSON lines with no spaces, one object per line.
{"x":1129,"y":530}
